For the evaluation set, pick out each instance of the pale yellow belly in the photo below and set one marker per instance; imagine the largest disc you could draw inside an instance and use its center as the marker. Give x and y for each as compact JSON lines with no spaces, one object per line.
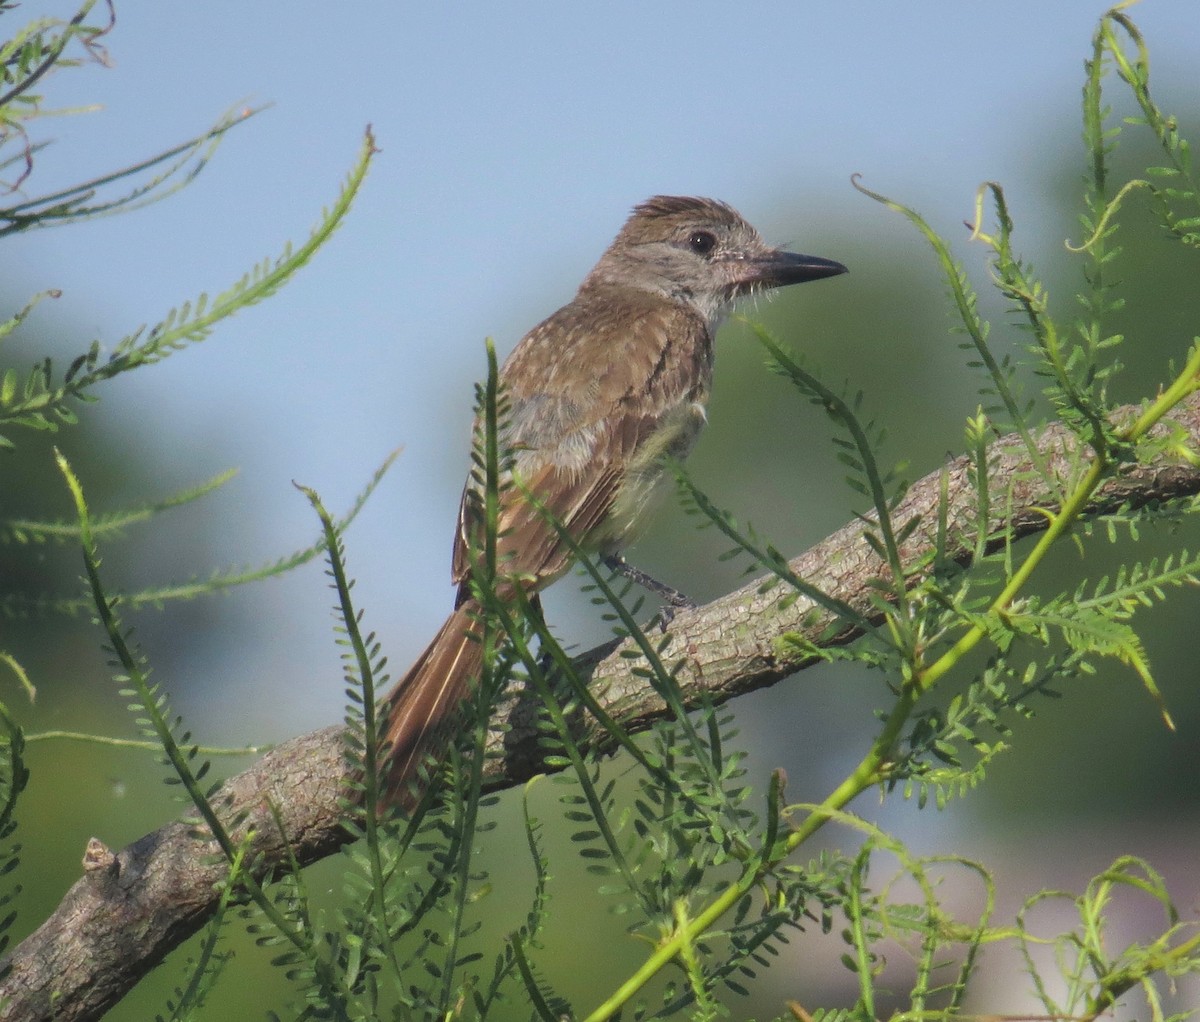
{"x":645,"y":479}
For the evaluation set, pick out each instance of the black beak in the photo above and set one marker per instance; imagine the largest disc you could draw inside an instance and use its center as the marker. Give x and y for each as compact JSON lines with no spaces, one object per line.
{"x":778,"y":268}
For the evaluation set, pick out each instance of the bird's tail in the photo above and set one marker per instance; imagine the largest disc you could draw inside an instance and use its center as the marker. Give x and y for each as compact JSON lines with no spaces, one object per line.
{"x":422,"y":711}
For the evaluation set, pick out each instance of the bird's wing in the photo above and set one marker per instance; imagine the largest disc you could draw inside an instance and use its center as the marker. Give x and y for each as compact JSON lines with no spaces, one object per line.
{"x":588,"y":391}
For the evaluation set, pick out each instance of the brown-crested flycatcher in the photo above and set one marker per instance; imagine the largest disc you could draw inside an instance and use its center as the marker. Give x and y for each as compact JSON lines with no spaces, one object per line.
{"x":599,"y":396}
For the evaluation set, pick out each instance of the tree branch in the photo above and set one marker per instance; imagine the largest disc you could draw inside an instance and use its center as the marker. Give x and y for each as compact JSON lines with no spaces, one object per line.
{"x":132,"y":907}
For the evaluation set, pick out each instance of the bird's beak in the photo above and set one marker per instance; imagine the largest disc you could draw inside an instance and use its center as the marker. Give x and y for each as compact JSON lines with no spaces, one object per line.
{"x":777,"y":268}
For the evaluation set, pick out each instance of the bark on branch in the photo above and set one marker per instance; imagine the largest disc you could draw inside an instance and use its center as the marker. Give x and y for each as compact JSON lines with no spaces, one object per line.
{"x":134,"y":906}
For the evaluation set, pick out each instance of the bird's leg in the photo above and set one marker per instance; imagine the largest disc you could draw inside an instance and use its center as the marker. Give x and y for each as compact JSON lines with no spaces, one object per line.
{"x":672,"y":598}
{"x":545,"y":660}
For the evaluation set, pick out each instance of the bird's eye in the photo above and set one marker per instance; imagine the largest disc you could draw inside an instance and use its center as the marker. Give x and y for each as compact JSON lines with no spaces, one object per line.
{"x":702,"y":242}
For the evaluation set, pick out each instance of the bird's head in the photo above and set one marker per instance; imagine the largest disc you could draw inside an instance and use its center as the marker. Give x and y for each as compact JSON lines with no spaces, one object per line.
{"x":701,"y":252}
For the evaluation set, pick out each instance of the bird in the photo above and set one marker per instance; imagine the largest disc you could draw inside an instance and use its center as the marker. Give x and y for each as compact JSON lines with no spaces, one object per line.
{"x":599,"y":398}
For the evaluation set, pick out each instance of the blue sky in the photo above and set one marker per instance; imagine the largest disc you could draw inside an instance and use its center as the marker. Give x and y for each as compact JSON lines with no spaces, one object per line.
{"x":514,"y":140}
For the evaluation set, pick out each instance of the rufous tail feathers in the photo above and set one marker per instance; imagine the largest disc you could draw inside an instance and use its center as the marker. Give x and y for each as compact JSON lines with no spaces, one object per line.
{"x":423,"y":710}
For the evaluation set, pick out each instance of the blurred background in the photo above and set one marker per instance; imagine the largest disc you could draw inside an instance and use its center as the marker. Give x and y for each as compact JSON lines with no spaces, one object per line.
{"x":514,"y":140}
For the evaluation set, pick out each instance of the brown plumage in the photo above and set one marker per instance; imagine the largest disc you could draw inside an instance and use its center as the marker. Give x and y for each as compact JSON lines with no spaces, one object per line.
{"x":599,"y":395}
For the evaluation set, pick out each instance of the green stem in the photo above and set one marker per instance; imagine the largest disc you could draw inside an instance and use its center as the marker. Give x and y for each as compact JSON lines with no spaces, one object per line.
{"x":1059,"y":524}
{"x":1185,"y":384}
{"x":135,"y":743}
